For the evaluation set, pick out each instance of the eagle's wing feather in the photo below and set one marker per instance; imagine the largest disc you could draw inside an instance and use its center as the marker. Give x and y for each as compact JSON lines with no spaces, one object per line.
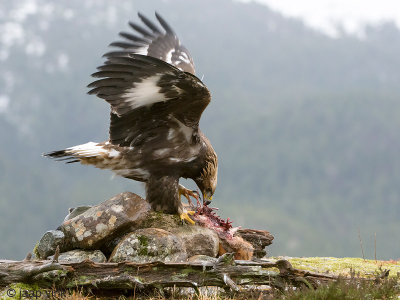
{"x":152,"y":41}
{"x":145,"y":93}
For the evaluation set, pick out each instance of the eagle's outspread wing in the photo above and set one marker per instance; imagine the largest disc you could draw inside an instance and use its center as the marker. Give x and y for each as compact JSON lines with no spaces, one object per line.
{"x":152,"y":41}
{"x":156,"y":105}
{"x":145,"y":92}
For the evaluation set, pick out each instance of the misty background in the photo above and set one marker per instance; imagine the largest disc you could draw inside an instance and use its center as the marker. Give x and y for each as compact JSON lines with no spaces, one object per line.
{"x":306,"y":125}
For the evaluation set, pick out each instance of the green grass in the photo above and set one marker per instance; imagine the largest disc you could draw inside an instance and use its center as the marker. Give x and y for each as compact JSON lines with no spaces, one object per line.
{"x":344,"y":266}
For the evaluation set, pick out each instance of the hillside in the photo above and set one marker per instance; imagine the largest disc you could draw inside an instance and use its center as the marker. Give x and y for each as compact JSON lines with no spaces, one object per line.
{"x":305,"y":126}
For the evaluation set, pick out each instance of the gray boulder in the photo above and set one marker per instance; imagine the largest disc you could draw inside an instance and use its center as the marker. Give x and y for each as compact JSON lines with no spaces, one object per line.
{"x":198,"y":240}
{"x":77,"y":256}
{"x":48,"y":244}
{"x":149,"y":245}
{"x":106,"y":221}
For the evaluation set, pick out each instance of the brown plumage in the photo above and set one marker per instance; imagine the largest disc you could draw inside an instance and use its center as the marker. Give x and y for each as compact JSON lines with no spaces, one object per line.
{"x":156,"y":104}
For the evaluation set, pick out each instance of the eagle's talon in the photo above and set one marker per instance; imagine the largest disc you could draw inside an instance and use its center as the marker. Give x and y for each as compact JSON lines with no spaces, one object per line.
{"x":188,"y":193}
{"x":185,"y":217}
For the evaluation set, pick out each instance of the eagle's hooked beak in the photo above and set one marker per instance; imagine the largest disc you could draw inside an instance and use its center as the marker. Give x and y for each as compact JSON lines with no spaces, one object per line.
{"x":207,"y":198}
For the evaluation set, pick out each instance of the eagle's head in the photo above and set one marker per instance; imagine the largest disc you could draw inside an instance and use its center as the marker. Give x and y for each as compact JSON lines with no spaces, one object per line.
{"x":207,"y":181}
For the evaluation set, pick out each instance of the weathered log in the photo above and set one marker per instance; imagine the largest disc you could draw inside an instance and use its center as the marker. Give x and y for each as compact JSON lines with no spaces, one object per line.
{"x":226,"y":272}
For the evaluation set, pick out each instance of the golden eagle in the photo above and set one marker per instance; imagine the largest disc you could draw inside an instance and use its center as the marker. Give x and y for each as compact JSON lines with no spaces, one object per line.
{"x":156,"y":104}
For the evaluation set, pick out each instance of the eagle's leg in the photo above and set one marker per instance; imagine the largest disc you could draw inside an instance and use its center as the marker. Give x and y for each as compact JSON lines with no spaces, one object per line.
{"x":187,"y":194}
{"x":162,"y":192}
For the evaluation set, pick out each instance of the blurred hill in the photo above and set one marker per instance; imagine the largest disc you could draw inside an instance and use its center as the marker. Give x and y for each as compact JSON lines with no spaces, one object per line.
{"x":306,"y":127}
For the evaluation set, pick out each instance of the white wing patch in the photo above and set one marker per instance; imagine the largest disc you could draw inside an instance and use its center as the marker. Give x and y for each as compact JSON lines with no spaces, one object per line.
{"x":145,"y":93}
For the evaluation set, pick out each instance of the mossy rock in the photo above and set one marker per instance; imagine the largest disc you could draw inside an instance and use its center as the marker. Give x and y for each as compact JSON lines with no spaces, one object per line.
{"x":148,"y":245}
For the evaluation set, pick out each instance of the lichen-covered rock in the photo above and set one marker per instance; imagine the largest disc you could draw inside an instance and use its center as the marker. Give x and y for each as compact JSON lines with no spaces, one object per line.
{"x":153,"y":219}
{"x":148,"y":245}
{"x":198,"y":240}
{"x":77,"y":256}
{"x":106,"y":221}
{"x":48,"y":243}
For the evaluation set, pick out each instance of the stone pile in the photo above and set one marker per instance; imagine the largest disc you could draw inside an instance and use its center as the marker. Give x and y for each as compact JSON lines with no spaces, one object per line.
{"x":124,"y":228}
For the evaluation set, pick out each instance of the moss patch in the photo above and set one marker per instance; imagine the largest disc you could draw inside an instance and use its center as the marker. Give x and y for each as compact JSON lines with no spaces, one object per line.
{"x":144,"y":240}
{"x":143,"y":245}
{"x":19,"y":289}
{"x":344,"y":266}
{"x":160,"y":220}
{"x":35,"y":250}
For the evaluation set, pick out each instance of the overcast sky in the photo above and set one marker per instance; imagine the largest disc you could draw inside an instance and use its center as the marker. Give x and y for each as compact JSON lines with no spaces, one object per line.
{"x":351,"y":14}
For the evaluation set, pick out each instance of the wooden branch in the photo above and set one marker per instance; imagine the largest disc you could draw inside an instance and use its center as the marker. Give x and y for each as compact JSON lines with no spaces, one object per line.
{"x":225,"y":273}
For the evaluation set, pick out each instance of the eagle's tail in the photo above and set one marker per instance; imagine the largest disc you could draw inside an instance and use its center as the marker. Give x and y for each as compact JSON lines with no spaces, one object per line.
{"x":89,"y":153}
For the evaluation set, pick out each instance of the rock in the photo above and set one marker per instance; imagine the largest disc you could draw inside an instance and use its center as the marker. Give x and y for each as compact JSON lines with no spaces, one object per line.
{"x":77,"y":256}
{"x":148,"y":245}
{"x":259,"y":239}
{"x":73,"y":212}
{"x":106,"y":221}
{"x":198,"y":240}
{"x":48,"y":243}
{"x":153,"y":220}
